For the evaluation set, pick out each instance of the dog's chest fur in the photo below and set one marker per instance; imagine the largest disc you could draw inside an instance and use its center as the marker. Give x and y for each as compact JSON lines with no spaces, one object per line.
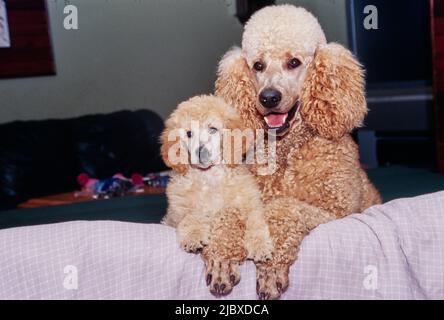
{"x":306,"y":172}
{"x":210,"y":191}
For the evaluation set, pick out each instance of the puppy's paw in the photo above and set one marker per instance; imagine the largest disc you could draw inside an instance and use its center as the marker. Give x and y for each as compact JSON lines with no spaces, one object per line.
{"x":272,"y":281}
{"x":259,"y":246}
{"x":221,"y":276}
{"x":193,"y":241}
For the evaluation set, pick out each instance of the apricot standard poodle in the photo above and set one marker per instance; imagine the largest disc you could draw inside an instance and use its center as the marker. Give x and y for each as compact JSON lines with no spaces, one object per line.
{"x":310,"y":94}
{"x":213,"y":200}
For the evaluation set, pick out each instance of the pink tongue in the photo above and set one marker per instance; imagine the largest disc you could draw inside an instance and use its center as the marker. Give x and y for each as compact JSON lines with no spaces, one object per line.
{"x":275,"y":120}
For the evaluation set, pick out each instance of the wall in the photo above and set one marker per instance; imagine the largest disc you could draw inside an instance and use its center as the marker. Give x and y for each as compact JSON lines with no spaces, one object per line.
{"x":127,"y":54}
{"x":130,"y":54}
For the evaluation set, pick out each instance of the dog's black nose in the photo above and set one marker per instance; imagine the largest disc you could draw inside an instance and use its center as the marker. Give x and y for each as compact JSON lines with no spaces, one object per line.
{"x":203,"y":154}
{"x":270,"y":97}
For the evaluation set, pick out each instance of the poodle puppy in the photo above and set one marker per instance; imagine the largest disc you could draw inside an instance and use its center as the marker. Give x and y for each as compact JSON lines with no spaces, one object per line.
{"x":213,"y":199}
{"x":286,"y":79}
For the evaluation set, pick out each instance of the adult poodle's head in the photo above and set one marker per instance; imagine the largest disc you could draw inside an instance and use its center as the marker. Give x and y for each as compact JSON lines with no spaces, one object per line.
{"x":286,"y":71}
{"x":196,"y":135}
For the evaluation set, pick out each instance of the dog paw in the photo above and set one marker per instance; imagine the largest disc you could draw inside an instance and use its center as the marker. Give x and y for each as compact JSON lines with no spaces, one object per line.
{"x":259,"y":247}
{"x":272,"y":281}
{"x":221,"y":276}
{"x":193,"y":241}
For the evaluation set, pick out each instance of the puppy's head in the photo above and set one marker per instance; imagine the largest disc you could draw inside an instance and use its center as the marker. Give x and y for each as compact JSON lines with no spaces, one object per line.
{"x":195,"y":133}
{"x":278,"y":44}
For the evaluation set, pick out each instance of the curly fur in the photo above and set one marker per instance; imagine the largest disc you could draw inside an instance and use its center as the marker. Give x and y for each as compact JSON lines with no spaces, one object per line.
{"x":217,"y":210}
{"x":318,"y":175}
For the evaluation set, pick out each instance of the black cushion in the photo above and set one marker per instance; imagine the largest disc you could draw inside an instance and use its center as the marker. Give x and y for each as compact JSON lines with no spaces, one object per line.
{"x":39,"y":158}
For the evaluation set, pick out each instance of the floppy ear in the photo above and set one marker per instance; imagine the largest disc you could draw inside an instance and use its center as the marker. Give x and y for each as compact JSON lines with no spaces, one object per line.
{"x":333,"y":95}
{"x":172,"y":151}
{"x":235,"y":84}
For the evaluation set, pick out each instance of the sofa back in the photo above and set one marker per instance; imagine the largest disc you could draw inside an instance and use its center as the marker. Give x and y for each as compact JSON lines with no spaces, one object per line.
{"x":39,"y":158}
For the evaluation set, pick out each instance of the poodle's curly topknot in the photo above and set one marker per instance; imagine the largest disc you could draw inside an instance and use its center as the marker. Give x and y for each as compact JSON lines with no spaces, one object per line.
{"x":293,"y":25}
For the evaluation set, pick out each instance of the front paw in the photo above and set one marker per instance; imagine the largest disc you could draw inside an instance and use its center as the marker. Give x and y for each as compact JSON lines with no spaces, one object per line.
{"x":221,"y":276}
{"x":272,"y":281}
{"x":259,"y":246}
{"x":193,"y":241}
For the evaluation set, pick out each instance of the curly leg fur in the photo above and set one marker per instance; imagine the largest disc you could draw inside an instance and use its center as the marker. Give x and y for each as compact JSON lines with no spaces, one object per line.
{"x":289,"y":221}
{"x":225,"y":252}
{"x":258,"y":242}
{"x":193,"y":233}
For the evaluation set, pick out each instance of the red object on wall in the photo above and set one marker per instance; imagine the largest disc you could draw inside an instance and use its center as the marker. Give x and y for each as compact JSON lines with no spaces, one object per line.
{"x":31,"y":52}
{"x":437,"y":26}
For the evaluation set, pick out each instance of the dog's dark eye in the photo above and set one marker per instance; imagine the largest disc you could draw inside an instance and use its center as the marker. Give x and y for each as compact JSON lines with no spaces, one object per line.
{"x":189,"y":134}
{"x":212,"y":130}
{"x":258,"y":66}
{"x":294,"y":63}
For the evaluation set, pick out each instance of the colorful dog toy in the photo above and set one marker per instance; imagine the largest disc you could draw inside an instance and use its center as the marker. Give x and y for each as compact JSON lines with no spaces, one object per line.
{"x":116,"y":186}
